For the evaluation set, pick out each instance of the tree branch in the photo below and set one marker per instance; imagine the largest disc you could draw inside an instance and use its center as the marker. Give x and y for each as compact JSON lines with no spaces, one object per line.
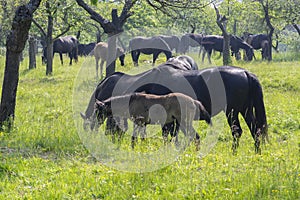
{"x":105,"y":24}
{"x":39,"y":27}
{"x":220,"y":20}
{"x":296,"y":27}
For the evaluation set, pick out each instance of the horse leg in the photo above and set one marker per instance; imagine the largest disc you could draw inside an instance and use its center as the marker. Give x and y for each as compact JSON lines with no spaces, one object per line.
{"x":155,"y":56}
{"x":134,"y":135}
{"x":61,"y":59}
{"x":142,"y":131}
{"x":209,"y":52}
{"x":209,"y":56}
{"x":250,"y":120}
{"x":134,"y":58}
{"x":101,"y":68}
{"x":70,"y":56}
{"x":175,"y":130}
{"x":165,"y":132}
{"x":203,"y":55}
{"x":190,"y":133}
{"x":200,"y":50}
{"x":236,"y":130}
{"x":97,"y":66}
{"x":138,"y":53}
{"x":123,"y":128}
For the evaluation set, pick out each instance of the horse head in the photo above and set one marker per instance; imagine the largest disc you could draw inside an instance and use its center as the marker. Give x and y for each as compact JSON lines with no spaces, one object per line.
{"x":99,"y":115}
{"x":86,"y":121}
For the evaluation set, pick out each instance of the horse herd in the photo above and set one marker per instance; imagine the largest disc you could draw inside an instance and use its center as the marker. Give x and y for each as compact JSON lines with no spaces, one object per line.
{"x":174,"y":94}
{"x":162,"y":44}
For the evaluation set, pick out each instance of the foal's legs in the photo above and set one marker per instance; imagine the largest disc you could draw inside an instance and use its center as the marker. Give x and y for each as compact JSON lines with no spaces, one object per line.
{"x":236,"y":130}
{"x":189,"y":131}
{"x":137,"y":127}
{"x":171,"y":128}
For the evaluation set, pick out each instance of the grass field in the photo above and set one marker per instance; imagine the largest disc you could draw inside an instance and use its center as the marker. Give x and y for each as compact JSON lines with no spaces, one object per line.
{"x":44,"y":157}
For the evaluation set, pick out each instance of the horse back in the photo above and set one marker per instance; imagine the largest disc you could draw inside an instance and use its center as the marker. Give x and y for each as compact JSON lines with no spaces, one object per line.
{"x":65,"y":44}
{"x":143,"y":43}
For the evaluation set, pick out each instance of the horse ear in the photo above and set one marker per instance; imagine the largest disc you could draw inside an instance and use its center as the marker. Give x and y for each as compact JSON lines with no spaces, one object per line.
{"x":82,"y":115}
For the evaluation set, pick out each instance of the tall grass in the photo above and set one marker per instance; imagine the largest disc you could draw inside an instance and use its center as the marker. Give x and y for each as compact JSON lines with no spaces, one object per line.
{"x":44,"y":158}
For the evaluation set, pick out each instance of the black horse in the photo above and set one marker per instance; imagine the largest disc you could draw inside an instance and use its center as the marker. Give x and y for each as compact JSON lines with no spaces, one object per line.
{"x":190,"y":40}
{"x":86,"y":49}
{"x":67,"y":44}
{"x":259,"y":41}
{"x":229,"y":89}
{"x":119,"y":82}
{"x":215,"y":42}
{"x":152,"y":45}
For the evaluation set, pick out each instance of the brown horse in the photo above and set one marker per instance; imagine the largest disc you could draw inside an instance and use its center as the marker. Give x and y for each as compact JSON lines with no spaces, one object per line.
{"x":100,"y":53}
{"x":146,"y":109}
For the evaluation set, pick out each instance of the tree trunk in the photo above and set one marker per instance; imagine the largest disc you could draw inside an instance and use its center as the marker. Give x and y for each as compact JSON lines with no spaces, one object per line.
{"x":270,"y":26}
{"x":221,"y":21}
{"x":32,"y":52}
{"x":112,"y":28}
{"x":10,"y":85}
{"x":49,"y":44}
{"x":235,"y":27}
{"x":15,"y":44}
{"x":49,"y":65}
{"x":111,"y":55}
{"x":226,"y":49}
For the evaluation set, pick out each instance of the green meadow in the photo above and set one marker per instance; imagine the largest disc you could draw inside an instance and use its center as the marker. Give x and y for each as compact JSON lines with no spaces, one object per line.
{"x":45,"y":156}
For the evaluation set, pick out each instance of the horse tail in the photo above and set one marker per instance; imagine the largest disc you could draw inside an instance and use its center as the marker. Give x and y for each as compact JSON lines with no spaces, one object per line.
{"x":202,"y":113}
{"x":265,"y":50}
{"x":257,"y":103}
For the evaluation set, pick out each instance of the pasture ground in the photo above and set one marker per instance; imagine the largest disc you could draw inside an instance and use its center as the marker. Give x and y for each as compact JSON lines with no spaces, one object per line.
{"x":43,"y":157}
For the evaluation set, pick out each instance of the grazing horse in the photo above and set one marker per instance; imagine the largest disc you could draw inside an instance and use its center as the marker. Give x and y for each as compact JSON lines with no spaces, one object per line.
{"x":237,"y":43}
{"x":118,"y":82}
{"x":190,"y":39}
{"x":259,"y":41}
{"x":152,"y":45}
{"x":172,"y":40}
{"x":86,"y":49}
{"x":66,"y":44}
{"x":215,"y":42}
{"x":145,"y":109}
{"x":100,"y":53}
{"x":229,"y":89}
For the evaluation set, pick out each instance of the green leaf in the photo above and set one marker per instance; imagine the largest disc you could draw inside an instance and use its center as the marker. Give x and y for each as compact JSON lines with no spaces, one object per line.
{"x":94,"y":2}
